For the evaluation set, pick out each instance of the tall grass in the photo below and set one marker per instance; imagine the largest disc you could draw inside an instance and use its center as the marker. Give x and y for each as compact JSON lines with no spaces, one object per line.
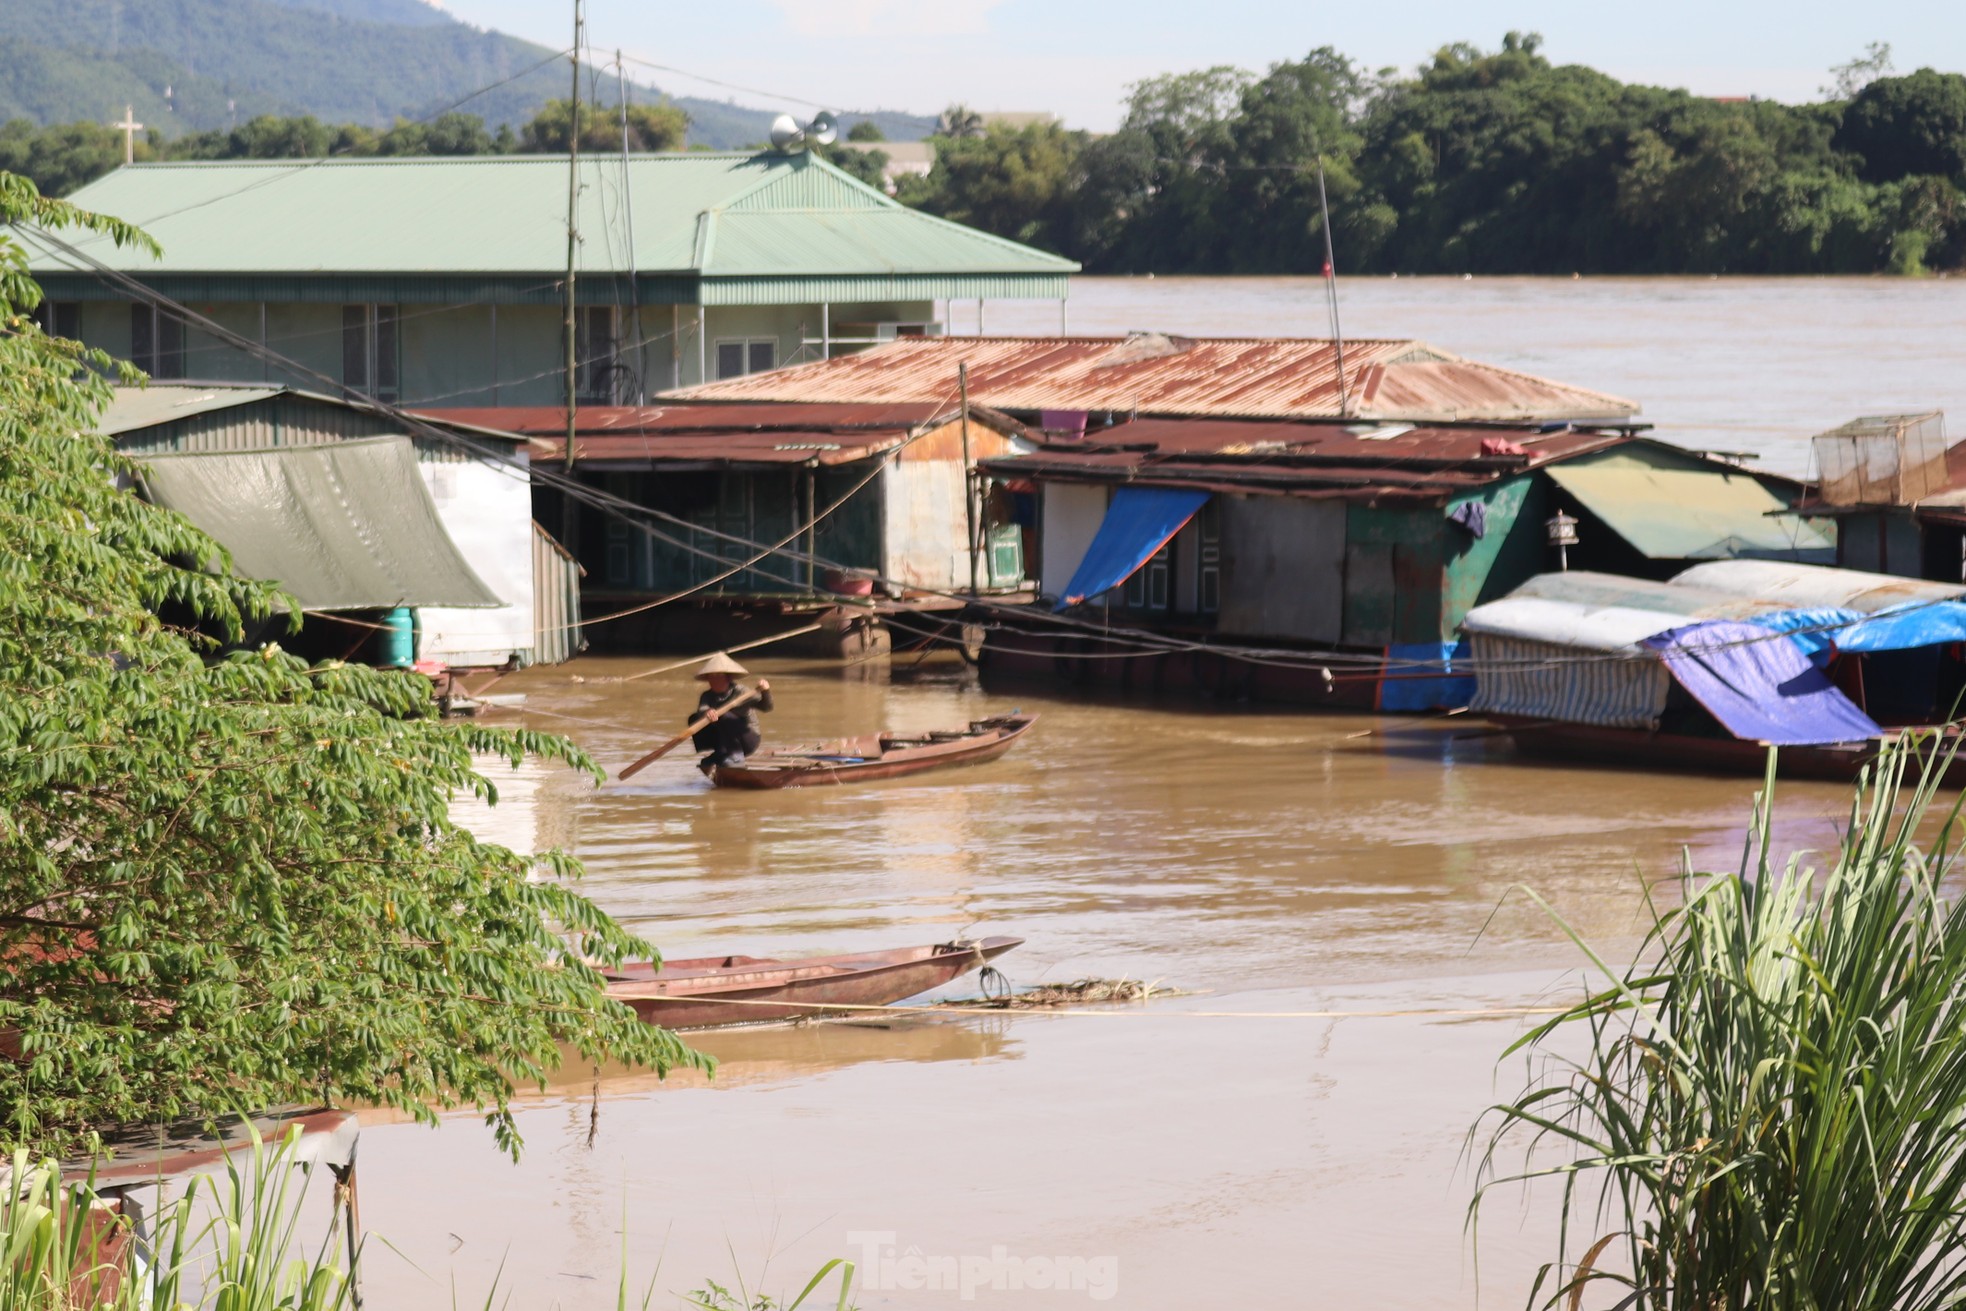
{"x":1768,"y":1111}
{"x":229,"y":1242}
{"x":226,"y":1242}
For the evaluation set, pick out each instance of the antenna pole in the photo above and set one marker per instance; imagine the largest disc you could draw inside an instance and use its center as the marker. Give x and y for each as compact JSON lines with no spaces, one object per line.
{"x":628,"y":221}
{"x":969,"y":475}
{"x":573,"y":238}
{"x":1331,"y":293}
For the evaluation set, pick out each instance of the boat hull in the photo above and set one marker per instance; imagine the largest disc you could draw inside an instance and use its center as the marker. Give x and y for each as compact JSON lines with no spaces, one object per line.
{"x":1684,"y":753}
{"x":720,"y":990}
{"x":878,"y":758}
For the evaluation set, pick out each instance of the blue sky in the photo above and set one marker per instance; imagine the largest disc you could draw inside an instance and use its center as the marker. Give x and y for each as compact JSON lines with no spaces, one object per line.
{"x":1075,"y":57}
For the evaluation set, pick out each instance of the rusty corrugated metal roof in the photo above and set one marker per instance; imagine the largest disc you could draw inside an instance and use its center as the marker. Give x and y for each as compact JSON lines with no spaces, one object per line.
{"x":1270,"y":377}
{"x":1303,"y":459}
{"x":708,"y":450}
{"x":550,"y":420}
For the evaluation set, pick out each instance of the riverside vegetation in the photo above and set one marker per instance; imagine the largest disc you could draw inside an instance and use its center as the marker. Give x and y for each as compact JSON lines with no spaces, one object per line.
{"x":1765,"y":1111}
{"x":229,"y":878}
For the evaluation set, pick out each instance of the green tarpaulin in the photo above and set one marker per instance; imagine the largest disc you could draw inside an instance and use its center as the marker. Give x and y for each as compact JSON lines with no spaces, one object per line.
{"x":341,"y":526}
{"x":1689,"y":513}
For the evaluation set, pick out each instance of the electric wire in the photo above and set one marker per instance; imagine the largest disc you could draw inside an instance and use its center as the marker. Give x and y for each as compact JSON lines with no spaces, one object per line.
{"x":637,"y":516}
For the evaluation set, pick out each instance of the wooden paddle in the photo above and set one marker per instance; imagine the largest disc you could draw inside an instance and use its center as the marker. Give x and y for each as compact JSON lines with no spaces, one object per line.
{"x":695,"y":725}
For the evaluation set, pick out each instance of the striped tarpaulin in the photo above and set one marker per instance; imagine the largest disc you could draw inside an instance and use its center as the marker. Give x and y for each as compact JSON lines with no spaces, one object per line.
{"x":1542,"y":680}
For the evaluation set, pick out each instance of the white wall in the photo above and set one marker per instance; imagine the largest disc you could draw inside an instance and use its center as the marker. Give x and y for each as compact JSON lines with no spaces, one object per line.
{"x":927,"y":524}
{"x":488,"y":512}
{"x":1071,"y":516}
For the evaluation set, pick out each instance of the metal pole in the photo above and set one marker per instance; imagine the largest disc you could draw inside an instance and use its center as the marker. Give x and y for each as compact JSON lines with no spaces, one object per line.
{"x":826,"y":330}
{"x":969,"y":474}
{"x":628,"y":215}
{"x":812,"y":501}
{"x":1331,"y":290}
{"x":573,"y":243}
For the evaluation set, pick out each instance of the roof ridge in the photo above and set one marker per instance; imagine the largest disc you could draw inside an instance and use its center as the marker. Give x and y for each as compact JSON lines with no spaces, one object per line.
{"x":353,"y":161}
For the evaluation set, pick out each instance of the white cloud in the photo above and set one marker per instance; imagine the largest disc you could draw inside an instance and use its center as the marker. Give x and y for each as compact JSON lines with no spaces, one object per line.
{"x":888,"y":17}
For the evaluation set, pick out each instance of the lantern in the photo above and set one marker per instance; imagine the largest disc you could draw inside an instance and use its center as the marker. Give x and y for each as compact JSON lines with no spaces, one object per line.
{"x":1563,"y":535}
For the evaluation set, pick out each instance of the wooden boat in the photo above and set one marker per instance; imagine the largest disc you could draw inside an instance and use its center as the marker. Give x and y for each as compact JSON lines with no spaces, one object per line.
{"x":711,"y":990}
{"x":875,"y":756}
{"x":1688,"y":753}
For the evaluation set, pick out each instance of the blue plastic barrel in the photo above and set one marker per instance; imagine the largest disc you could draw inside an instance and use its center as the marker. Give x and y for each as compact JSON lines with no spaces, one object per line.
{"x":398,"y":637}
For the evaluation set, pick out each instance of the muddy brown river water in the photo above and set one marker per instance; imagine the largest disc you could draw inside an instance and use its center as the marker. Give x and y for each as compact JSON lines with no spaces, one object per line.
{"x":1220,"y":1148}
{"x":1212,"y":1150}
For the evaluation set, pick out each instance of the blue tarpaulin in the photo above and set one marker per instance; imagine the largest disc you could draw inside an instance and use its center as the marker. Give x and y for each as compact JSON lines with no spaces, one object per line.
{"x":1902,"y":627}
{"x":1138,"y":523}
{"x":1899,"y":628}
{"x":1761,"y":688}
{"x":1813,"y":630}
{"x":1408,"y":685}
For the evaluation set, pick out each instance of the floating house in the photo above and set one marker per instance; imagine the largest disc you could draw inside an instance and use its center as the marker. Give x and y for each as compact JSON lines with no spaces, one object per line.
{"x":433,"y":282}
{"x":357,"y":518}
{"x":767,"y":518}
{"x":1074,"y":384}
{"x":1729,"y":657}
{"x":1352,"y":539}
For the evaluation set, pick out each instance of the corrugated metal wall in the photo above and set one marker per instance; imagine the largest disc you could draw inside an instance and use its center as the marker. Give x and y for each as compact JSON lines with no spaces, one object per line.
{"x":280,"y":421}
{"x":556,"y":601}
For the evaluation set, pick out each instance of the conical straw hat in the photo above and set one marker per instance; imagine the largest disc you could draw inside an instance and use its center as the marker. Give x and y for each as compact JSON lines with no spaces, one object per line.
{"x":721,"y":664}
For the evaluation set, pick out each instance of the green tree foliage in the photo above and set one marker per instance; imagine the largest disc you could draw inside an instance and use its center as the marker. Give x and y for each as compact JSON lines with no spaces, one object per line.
{"x":1016,"y":182}
{"x":866,"y":130}
{"x":229,"y":878}
{"x":866,"y":165}
{"x":1489,"y":161}
{"x":650,"y":128}
{"x":1906,"y":126}
{"x":60,"y":159}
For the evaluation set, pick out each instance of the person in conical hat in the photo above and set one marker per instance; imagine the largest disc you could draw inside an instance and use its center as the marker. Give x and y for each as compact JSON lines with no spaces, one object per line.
{"x":728,"y":737}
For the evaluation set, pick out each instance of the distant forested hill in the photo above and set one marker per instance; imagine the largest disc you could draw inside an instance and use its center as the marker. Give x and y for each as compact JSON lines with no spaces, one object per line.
{"x":342,"y":61}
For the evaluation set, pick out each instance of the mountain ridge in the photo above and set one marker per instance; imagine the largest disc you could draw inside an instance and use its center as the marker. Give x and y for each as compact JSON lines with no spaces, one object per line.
{"x":197,"y":65}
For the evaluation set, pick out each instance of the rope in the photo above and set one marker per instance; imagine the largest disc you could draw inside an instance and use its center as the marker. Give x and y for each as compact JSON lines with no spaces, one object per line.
{"x":729,"y":650}
{"x":1498,"y":1012}
{"x":638,"y":517}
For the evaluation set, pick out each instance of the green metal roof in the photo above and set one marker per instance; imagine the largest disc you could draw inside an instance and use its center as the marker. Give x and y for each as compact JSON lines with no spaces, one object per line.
{"x":1674,"y":510}
{"x":341,"y":526}
{"x":704,"y":217}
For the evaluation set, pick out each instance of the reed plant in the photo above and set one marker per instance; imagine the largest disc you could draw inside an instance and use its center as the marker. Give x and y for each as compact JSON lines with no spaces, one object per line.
{"x":233,"y":1241}
{"x":1767,"y":1110}
{"x":225,"y":1242}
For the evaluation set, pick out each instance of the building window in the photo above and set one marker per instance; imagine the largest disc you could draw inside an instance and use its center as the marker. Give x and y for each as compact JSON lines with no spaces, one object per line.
{"x":594,"y":355}
{"x":60,"y":318}
{"x":369,"y":359}
{"x":156,"y":342}
{"x":739,"y":356}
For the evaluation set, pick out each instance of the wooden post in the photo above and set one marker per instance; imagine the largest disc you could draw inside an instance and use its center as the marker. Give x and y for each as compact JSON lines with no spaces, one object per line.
{"x":969,"y":474}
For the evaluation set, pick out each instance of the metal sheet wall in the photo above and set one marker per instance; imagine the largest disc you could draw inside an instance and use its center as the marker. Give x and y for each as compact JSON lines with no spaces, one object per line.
{"x":556,"y":601}
{"x":281,"y":421}
{"x":1282,"y":567}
